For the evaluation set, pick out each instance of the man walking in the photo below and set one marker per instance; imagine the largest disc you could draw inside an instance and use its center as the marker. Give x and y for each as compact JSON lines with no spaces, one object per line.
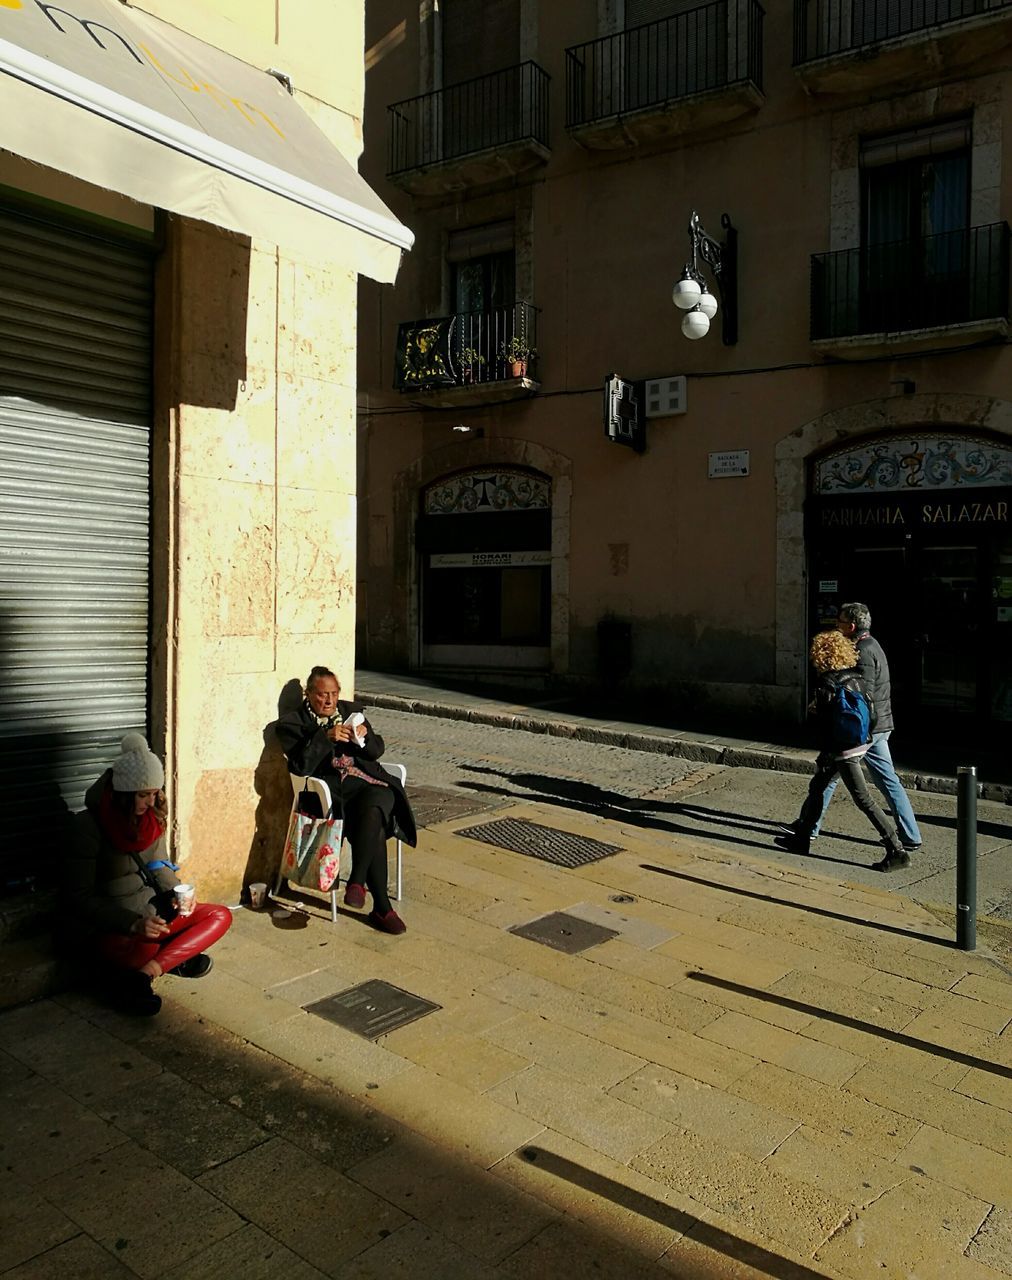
{"x":854,"y":621}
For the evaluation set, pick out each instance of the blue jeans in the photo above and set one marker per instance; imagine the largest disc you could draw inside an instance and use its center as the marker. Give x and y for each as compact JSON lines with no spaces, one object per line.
{"x":883,"y":774}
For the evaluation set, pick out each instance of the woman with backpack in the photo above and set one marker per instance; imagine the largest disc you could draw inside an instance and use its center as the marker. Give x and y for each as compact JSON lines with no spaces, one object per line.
{"x":844,"y":720}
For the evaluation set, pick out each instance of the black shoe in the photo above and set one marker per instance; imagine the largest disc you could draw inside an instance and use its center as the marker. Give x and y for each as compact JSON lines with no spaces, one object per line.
{"x":795,"y":829}
{"x":196,"y":967}
{"x":910,"y":848}
{"x":894,"y":860}
{"x":130,"y":993}
{"x":793,"y":843}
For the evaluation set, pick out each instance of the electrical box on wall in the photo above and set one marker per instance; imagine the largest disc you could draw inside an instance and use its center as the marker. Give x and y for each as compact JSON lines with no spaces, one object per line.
{"x":664,"y":397}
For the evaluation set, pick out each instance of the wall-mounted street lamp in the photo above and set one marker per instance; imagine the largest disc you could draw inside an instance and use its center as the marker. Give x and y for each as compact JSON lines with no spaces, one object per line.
{"x":691,"y":293}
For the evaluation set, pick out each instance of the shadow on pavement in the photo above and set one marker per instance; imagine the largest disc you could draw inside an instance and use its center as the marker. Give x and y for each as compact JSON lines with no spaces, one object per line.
{"x":585,"y":797}
{"x":799,"y":906}
{"x":844,"y":1020}
{"x":997,"y":829}
{"x":771,"y":1264}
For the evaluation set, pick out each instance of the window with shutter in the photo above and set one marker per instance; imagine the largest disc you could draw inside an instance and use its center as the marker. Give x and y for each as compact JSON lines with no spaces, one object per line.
{"x":916,"y":215}
{"x":479,"y":37}
{"x":682,"y":50}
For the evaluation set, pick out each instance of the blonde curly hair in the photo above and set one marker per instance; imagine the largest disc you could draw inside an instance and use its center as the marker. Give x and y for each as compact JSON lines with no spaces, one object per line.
{"x":832,"y":651}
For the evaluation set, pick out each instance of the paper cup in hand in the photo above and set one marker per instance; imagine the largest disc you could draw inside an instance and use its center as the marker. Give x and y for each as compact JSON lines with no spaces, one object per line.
{"x":257,"y":896}
{"x":185,"y":896}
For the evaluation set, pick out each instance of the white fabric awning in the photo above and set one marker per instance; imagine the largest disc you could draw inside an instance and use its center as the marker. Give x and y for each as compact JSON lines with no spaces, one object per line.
{"x":122,"y":100}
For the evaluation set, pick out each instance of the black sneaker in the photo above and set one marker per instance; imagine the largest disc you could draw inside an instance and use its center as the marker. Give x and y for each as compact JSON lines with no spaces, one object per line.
{"x":196,"y":967}
{"x":793,"y":843}
{"x":910,"y":848}
{"x":894,"y":860}
{"x":795,"y":829}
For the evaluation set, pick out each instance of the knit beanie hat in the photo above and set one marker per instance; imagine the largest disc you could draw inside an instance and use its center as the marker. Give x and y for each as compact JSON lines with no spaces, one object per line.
{"x":138,"y":768}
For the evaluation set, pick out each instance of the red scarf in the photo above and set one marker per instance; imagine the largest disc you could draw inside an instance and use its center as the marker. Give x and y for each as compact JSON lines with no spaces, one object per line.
{"x":127,"y":833}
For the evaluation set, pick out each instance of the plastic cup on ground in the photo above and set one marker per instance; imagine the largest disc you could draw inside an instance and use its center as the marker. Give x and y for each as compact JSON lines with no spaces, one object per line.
{"x":185,"y":896}
{"x":257,"y":896}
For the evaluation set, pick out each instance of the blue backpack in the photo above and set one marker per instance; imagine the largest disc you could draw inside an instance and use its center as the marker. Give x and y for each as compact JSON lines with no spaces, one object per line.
{"x":849,"y":718}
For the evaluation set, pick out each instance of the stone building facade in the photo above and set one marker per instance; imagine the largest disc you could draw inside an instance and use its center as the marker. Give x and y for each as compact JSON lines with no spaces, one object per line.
{"x":852,"y":442}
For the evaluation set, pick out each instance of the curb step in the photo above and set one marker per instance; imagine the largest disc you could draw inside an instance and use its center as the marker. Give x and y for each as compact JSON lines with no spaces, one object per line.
{"x":736,"y":757}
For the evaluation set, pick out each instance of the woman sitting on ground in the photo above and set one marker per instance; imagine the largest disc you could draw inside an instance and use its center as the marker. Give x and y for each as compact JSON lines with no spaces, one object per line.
{"x":318,"y":743}
{"x":834,"y":658}
{"x":118,"y":885}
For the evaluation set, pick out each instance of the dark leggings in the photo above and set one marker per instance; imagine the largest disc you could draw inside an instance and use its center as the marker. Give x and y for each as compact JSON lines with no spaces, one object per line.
{"x":826,"y":769}
{"x":368,"y":810}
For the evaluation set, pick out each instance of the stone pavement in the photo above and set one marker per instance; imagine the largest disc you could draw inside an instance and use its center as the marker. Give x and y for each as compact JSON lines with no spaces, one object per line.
{"x":762,"y":1073}
{"x":410,"y":691}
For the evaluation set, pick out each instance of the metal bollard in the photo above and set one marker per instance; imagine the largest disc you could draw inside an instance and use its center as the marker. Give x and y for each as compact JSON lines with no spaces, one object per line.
{"x":966,"y":857}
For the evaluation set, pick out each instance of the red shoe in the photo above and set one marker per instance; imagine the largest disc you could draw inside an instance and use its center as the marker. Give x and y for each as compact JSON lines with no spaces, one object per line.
{"x":354,"y":895}
{"x":390,"y":923}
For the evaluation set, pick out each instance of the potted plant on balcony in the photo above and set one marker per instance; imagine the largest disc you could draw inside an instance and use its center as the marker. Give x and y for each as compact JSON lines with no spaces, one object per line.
{"x":516,"y":353}
{"x":470,"y":361}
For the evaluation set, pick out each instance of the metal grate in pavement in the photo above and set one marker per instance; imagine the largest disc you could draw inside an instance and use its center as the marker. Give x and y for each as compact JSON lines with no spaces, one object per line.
{"x":564,"y":932}
{"x":372,"y":1008}
{"x":546,"y":843}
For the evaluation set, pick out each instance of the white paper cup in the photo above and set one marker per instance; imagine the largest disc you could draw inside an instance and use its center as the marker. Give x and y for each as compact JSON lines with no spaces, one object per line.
{"x":185,"y":896}
{"x":257,"y":896}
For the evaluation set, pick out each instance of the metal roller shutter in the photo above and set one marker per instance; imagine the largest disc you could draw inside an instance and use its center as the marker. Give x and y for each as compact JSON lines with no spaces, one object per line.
{"x":75,"y":428}
{"x":639,"y":12}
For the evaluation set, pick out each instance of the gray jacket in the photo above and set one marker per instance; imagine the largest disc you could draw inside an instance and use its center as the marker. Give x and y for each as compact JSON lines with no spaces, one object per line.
{"x":874,"y":670}
{"x":103,"y":889}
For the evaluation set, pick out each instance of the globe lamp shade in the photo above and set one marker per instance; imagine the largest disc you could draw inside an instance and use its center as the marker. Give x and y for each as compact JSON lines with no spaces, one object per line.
{"x":707,"y":303}
{"x":695,"y":324}
{"x":686,"y":293}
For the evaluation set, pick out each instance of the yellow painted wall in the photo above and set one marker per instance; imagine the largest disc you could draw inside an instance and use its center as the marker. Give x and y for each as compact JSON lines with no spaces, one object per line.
{"x":254,"y":488}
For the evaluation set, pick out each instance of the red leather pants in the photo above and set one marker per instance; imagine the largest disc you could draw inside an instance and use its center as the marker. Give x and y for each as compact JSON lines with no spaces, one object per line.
{"x":187,"y":936}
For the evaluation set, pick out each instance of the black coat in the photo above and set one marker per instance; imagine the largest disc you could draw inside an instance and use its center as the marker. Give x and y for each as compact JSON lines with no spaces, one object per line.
{"x":309,"y":752}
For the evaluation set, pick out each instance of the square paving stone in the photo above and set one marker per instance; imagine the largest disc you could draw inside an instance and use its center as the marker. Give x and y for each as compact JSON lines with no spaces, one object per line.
{"x":182,"y":1124}
{"x":29,"y":1225}
{"x":249,"y":1253}
{"x":77,"y":1259}
{"x":140,"y":1210}
{"x":372,"y":1008}
{"x":44,"y":1130}
{"x":312,"y":1209}
{"x":564,"y":932}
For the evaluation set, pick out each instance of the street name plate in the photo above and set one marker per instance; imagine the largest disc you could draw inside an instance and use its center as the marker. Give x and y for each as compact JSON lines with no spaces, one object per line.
{"x":734,"y":462}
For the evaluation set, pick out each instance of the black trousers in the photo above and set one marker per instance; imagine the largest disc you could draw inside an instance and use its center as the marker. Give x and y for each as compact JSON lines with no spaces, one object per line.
{"x":368,"y":811}
{"x":852,"y":775}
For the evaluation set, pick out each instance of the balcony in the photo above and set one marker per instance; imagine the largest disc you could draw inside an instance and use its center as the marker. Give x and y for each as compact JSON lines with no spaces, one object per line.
{"x":470,"y":134}
{"x":700,"y":68}
{"x":940,"y":291}
{"x":853,"y":46}
{"x":473,"y":357}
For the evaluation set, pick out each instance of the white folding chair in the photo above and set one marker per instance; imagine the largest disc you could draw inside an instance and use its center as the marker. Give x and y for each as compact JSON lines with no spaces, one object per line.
{"x":319,"y":787}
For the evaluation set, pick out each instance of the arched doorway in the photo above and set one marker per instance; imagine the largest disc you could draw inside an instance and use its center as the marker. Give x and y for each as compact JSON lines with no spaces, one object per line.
{"x":917,"y":525}
{"x":484,"y":542}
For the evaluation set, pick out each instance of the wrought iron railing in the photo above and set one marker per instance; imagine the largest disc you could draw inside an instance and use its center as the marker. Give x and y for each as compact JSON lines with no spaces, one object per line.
{"x":490,"y":111}
{"x":826,"y":27}
{"x":468,"y":348}
{"x":716,"y":44}
{"x":946,"y":279}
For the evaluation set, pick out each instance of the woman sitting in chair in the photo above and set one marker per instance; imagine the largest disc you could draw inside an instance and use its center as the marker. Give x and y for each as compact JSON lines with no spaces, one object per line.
{"x":319,"y":743}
